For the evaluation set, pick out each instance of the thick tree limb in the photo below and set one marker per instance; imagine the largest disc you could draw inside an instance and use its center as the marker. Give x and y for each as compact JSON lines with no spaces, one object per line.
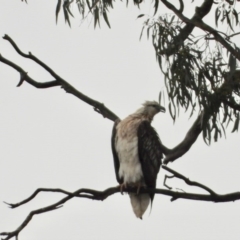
{"x":102,"y":195}
{"x":196,"y":129}
{"x":185,"y":145}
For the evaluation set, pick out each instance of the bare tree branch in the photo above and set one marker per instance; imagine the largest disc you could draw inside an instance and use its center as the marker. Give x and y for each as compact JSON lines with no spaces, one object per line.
{"x":84,"y":193}
{"x":102,"y":195}
{"x":232,"y":35}
{"x":15,"y":205}
{"x":98,"y":107}
{"x":24,"y":76}
{"x":188,"y":181}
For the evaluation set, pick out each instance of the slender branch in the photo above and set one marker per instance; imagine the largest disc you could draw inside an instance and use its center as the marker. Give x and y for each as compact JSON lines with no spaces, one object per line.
{"x":218,"y":38}
{"x":24,"y":76}
{"x":32,"y":57}
{"x":233,"y":35}
{"x":98,"y":107}
{"x":15,"y":205}
{"x":25,"y":223}
{"x":188,"y":181}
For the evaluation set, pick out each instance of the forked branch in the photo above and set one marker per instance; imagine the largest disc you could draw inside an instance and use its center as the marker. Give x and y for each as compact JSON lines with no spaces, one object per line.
{"x":58,"y":81}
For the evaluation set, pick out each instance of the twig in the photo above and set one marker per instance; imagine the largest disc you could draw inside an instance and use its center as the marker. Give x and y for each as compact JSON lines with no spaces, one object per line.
{"x":165,"y":181}
{"x":14,"y":205}
{"x":188,"y":181}
{"x":232,"y":35}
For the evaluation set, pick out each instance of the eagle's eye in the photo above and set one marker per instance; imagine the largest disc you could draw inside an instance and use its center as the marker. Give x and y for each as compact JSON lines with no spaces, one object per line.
{"x":154,"y":105}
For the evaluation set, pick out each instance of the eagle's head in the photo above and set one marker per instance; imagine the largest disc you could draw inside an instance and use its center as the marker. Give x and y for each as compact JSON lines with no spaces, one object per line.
{"x":150,"y":109}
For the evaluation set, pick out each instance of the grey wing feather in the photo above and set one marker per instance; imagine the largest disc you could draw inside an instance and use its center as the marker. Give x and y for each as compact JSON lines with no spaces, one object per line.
{"x":150,"y":153}
{"x":114,"y":152}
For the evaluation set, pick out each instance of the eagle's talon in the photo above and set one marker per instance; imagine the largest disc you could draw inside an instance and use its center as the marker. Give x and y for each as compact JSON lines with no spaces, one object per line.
{"x":122,"y":186}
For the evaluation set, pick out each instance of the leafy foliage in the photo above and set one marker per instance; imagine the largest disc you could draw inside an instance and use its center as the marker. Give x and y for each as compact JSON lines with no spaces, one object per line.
{"x":197,"y":75}
{"x":226,"y":12}
{"x":98,"y":9}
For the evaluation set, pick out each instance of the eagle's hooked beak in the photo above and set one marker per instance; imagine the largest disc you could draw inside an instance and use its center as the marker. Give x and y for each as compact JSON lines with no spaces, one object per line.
{"x":162,"y":109}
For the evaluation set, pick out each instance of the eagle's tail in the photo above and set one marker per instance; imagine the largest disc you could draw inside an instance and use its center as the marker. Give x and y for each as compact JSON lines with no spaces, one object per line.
{"x":139,"y":203}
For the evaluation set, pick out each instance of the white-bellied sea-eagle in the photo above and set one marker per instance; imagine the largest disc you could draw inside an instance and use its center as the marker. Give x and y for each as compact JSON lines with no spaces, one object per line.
{"x":137,"y":153}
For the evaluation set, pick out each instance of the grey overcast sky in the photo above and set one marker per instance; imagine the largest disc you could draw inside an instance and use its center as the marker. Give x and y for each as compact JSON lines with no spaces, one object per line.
{"x":51,"y":139}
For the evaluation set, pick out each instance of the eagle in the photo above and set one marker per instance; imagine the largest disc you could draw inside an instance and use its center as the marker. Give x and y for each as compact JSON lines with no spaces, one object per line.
{"x":137,"y":154}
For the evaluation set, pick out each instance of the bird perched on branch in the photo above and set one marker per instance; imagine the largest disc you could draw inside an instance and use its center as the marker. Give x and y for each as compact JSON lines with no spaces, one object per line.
{"x":137,"y":154}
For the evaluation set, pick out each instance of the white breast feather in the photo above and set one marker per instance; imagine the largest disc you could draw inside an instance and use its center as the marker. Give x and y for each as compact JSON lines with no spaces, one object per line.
{"x":127,"y":148}
{"x":130,"y":168}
